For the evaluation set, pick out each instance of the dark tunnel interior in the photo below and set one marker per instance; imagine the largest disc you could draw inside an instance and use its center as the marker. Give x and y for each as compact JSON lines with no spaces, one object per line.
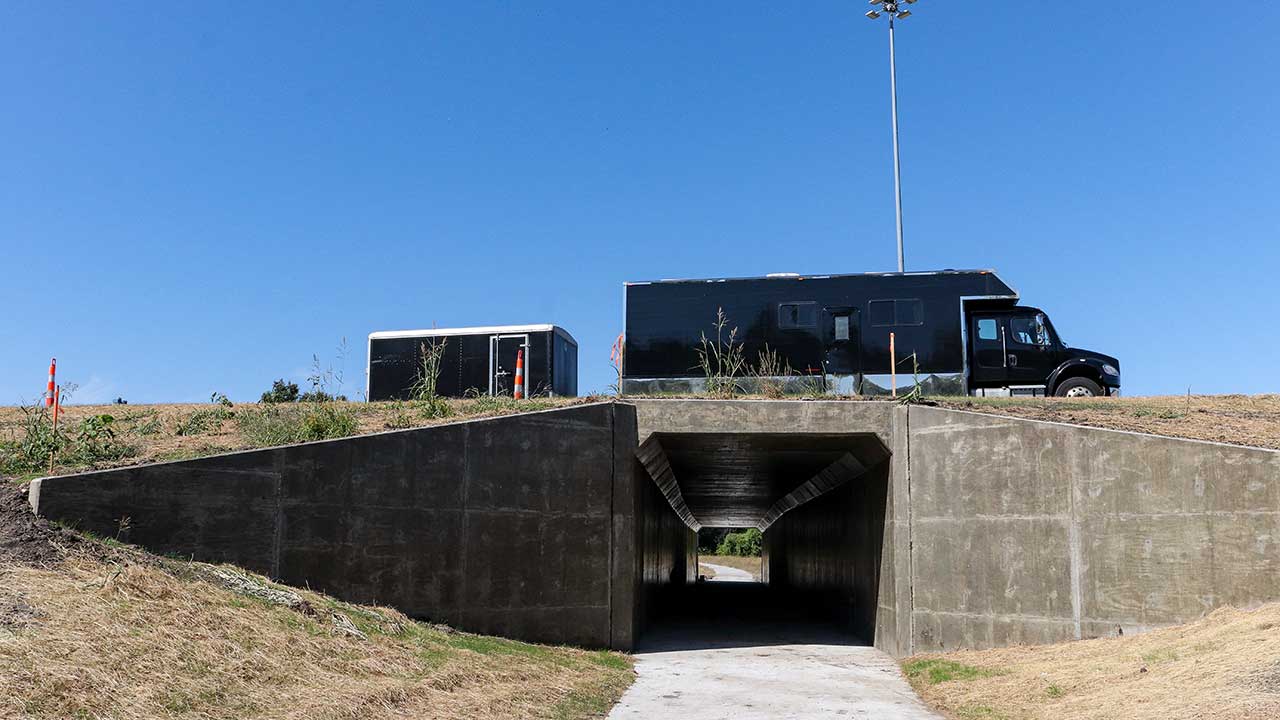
{"x":818,"y":498}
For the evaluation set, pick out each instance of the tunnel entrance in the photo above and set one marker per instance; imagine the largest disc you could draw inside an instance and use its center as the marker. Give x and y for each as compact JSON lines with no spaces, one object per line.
{"x":818,"y":499}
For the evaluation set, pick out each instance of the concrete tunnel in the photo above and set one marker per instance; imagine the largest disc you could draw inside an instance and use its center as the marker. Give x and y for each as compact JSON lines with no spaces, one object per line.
{"x":819,"y":499}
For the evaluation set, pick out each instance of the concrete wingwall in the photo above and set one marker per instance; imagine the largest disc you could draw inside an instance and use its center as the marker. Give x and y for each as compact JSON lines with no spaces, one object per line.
{"x":524,"y":525}
{"x":1029,"y":532}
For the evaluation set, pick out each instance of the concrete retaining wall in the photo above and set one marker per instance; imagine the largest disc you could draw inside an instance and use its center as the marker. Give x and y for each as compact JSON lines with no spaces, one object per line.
{"x":1030,"y":532}
{"x":991,"y":530}
{"x":505,"y":526}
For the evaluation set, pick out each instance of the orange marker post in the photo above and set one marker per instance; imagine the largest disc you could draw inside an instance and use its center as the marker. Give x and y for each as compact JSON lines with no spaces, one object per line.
{"x":519,"y":393}
{"x":49,"y":392}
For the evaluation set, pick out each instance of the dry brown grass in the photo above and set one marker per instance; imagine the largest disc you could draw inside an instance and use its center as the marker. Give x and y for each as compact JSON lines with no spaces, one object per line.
{"x":1235,"y":419}
{"x":153,"y":429}
{"x":93,"y":640}
{"x":749,"y":564}
{"x":1226,"y":666}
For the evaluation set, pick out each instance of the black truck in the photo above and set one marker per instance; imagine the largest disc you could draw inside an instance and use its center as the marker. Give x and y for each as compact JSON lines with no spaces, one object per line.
{"x":959,"y":331}
{"x":475,"y":361}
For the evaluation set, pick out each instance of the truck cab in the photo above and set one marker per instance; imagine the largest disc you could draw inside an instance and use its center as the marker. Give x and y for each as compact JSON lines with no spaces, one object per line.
{"x":1017,"y":351}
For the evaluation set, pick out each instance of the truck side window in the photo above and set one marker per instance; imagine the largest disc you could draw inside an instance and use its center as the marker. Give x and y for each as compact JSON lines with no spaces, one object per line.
{"x":987,"y":329}
{"x":1028,"y":331}
{"x":797,"y":315}
{"x":842,"y":327}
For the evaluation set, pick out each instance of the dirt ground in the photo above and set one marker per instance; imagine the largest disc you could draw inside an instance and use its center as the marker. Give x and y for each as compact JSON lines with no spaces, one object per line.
{"x":1225,"y":666}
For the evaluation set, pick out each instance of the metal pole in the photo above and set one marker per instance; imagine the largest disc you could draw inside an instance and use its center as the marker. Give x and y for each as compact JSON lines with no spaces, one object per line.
{"x":897,"y":163}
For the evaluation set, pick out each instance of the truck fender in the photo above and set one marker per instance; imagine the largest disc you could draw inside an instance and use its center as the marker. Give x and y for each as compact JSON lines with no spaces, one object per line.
{"x":1075,"y":367}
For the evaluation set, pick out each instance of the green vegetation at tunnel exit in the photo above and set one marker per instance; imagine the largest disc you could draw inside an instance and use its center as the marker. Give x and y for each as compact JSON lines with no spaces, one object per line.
{"x":747,"y":543}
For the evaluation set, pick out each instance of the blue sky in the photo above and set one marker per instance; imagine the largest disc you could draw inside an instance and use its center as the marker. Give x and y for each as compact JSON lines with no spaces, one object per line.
{"x":197,"y":197}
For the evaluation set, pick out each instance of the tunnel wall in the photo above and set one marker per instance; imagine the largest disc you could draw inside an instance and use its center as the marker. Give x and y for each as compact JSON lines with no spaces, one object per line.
{"x":668,"y":551}
{"x":828,"y":551}
{"x":516,"y":526}
{"x":1033,"y":532}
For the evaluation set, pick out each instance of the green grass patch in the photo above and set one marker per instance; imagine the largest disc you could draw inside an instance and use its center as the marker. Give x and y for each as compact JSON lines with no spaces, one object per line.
{"x":932,"y":671}
{"x":979,"y":712}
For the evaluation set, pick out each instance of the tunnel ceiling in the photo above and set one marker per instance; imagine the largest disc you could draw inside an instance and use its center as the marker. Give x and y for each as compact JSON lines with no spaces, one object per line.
{"x":735,"y":479}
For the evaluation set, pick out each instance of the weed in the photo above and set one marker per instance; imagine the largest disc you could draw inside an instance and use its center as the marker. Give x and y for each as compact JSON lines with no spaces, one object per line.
{"x":32,"y":448}
{"x":721,"y":360}
{"x":770,"y":373}
{"x":399,"y":418}
{"x":616,"y":354}
{"x":1054,"y":692}
{"x":323,"y":379}
{"x":932,"y":671}
{"x":202,"y":421}
{"x":423,"y":390}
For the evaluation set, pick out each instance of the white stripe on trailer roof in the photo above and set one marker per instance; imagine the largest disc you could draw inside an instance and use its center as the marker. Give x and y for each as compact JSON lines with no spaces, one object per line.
{"x":776,"y":276}
{"x":483,"y":330}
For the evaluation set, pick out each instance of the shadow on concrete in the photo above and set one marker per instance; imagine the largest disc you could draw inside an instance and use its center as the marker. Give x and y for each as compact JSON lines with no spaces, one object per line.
{"x":739,"y":615}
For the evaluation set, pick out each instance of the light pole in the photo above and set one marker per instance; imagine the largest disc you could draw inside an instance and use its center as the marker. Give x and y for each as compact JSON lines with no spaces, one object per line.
{"x":891,"y":9}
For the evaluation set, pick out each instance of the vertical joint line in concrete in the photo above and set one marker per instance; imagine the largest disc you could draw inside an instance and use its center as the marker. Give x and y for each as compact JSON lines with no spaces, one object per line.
{"x":613,"y":510}
{"x":278,"y":531}
{"x":1073,"y":549}
{"x":911,"y":549}
{"x":466,"y":489}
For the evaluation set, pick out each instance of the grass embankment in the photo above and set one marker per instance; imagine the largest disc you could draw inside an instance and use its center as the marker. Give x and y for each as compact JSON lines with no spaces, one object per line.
{"x":101,"y":436}
{"x":1235,"y":419}
{"x":749,"y":564}
{"x":1225,"y":666}
{"x":96,"y":630}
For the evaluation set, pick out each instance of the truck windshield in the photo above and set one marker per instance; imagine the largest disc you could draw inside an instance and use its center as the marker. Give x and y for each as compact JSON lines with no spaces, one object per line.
{"x":1053,"y":331}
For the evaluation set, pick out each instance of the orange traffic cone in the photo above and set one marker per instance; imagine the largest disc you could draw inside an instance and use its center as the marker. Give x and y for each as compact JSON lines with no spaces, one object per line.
{"x":519,"y":393}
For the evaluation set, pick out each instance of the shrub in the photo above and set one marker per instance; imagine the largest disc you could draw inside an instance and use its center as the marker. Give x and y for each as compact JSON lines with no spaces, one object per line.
{"x":88,"y":443}
{"x":748,"y":543}
{"x":281,"y":392}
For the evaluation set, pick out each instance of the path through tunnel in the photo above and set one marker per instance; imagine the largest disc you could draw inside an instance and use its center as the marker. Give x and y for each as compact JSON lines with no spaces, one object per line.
{"x":819,"y":500}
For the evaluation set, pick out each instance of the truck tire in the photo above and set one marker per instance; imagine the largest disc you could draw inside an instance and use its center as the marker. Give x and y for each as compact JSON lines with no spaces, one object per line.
{"x":1078,"y":387}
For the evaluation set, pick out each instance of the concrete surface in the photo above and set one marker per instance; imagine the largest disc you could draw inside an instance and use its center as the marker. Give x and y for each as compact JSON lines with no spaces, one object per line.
{"x":707,"y":671}
{"x":724,"y":573}
{"x":967,"y":530}
{"x":1031,"y":532}
{"x":523,"y":525}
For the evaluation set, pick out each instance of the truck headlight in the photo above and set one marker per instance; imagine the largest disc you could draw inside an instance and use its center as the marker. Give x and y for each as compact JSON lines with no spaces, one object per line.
{"x":1109,"y":370}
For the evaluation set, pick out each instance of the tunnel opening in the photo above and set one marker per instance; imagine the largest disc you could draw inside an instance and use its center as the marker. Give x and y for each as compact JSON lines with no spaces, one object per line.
{"x":819,"y":501}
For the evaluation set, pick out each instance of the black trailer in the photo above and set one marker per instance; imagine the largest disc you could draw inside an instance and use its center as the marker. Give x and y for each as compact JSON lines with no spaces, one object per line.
{"x":476,"y":360}
{"x":964,"y":328}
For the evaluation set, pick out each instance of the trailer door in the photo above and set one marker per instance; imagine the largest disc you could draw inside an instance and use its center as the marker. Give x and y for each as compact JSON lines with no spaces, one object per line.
{"x":841,"y":334}
{"x":503,"y":351}
{"x":988,"y":350}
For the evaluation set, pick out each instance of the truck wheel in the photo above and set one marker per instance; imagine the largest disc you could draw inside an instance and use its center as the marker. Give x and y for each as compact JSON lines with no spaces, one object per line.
{"x":1078,"y":387}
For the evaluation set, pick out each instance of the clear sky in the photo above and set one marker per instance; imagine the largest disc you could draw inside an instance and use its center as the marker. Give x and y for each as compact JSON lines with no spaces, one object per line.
{"x":196,"y":197}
